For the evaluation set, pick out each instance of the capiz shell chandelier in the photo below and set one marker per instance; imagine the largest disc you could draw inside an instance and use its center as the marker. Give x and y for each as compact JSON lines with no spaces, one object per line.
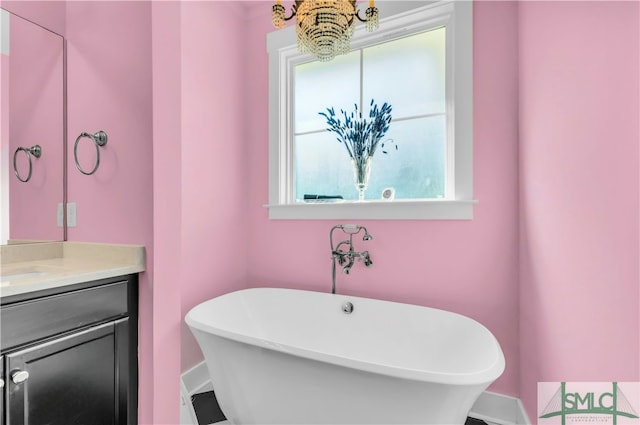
{"x":325,"y":27}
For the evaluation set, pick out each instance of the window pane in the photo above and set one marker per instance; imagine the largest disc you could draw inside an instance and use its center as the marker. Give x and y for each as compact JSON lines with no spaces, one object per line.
{"x":416,"y":169}
{"x":322,"y":167}
{"x":320,"y":85}
{"x":414,"y":86}
{"x":415,"y":83}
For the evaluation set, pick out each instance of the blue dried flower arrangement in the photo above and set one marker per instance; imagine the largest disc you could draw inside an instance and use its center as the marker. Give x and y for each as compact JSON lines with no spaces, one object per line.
{"x":359,"y":136}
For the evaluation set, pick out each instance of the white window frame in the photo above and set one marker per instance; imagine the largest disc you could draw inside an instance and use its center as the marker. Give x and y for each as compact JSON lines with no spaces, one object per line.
{"x":457,"y":17}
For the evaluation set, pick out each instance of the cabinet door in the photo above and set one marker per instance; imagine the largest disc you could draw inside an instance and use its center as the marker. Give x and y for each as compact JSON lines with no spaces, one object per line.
{"x":74,"y":379}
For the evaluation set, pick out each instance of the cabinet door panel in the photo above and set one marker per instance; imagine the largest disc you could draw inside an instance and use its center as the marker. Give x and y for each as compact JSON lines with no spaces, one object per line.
{"x":72,"y":380}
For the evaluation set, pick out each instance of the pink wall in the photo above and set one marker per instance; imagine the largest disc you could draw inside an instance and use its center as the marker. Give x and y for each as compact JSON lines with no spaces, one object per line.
{"x":579,"y":135}
{"x":110,"y":89}
{"x":166,"y":209}
{"x":470,"y":267}
{"x":36,"y":117}
{"x":214,"y":161}
{"x":199,"y":176}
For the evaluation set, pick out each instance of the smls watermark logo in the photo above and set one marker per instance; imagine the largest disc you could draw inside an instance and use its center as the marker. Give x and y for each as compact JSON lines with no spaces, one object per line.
{"x":616,"y":403}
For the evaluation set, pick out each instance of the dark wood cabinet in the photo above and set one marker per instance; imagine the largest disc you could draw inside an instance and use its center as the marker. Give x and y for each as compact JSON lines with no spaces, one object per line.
{"x":81,"y":367}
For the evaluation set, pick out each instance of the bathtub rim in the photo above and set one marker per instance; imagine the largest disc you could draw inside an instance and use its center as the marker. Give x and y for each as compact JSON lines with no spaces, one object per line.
{"x":480,"y":377}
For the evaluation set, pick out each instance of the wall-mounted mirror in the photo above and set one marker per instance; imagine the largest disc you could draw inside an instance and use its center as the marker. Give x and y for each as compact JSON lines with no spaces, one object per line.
{"x":32,"y":73}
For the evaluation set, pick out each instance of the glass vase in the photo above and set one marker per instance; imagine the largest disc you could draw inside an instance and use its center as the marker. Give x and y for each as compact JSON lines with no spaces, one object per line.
{"x":361,"y":174}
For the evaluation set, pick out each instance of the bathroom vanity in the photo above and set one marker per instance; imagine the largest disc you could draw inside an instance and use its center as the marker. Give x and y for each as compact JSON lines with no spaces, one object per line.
{"x":68,"y":310}
{"x":69,"y":339}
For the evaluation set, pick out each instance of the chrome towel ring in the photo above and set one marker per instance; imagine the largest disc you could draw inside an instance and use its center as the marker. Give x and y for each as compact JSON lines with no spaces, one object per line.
{"x":99,"y":139}
{"x":34,"y":150}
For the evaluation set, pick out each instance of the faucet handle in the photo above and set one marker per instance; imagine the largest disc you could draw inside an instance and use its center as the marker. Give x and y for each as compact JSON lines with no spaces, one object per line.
{"x":367,"y":259}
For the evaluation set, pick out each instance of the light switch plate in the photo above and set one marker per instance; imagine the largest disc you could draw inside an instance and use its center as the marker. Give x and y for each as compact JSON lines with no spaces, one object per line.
{"x":60,"y":214}
{"x":71,"y":214}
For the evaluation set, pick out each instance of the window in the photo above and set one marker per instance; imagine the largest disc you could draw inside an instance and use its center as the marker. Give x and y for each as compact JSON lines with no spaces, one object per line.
{"x":419,"y":61}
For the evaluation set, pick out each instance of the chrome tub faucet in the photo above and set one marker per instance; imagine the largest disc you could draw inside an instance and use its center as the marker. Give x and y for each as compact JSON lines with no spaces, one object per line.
{"x":344,"y":253}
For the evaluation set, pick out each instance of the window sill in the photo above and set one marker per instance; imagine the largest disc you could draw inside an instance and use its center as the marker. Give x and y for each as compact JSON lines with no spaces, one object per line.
{"x":376,"y":210}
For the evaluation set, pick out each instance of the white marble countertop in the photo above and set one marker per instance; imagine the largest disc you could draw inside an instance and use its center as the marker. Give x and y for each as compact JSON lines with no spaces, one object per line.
{"x":41,"y":266}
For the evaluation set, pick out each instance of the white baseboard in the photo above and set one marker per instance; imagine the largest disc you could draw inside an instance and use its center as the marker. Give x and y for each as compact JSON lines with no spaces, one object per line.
{"x":499,"y":409}
{"x":195,"y":380}
{"x":490,"y":407}
{"x":523,"y":418}
{"x":187,"y":413}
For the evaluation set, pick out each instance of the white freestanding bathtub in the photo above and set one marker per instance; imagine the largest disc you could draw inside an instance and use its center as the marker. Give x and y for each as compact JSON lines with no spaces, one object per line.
{"x":283,"y":356}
